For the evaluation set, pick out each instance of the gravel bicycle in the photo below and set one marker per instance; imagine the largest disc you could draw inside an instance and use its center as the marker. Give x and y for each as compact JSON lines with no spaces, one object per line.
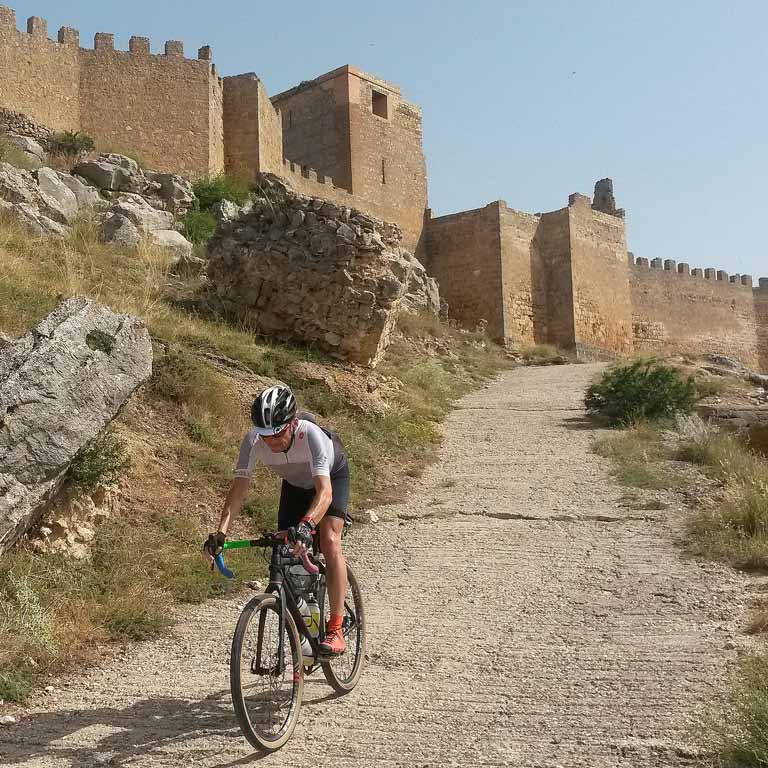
{"x":267,"y":665}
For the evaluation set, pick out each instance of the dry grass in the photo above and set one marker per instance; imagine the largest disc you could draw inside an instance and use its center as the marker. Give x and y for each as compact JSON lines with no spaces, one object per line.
{"x":182,"y":432}
{"x":640,"y":458}
{"x":546,"y":354}
{"x":758,"y":623}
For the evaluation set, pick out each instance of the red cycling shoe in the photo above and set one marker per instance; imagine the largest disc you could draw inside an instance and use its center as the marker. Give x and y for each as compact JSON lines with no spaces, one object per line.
{"x":333,"y":643}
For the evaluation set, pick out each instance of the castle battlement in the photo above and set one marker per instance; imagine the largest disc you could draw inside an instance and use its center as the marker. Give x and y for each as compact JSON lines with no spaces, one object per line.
{"x":103,"y":42}
{"x":682,"y":269}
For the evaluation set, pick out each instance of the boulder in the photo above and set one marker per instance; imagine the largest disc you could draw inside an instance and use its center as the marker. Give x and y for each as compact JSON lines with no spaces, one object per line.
{"x":28,"y":145}
{"x":86,"y":196}
{"x":60,"y":385}
{"x":20,"y":187}
{"x":50,"y":184}
{"x":119,"y":229}
{"x":173,"y":241}
{"x":114,"y":173}
{"x":33,"y":221}
{"x":225,"y":210}
{"x":175,"y":190}
{"x":143,"y":216}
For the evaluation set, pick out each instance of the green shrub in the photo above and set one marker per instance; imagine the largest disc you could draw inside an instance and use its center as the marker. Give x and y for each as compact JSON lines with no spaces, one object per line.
{"x":99,"y":463}
{"x":643,"y":390}
{"x":217,"y":188}
{"x":71,"y":143}
{"x":199,"y":226}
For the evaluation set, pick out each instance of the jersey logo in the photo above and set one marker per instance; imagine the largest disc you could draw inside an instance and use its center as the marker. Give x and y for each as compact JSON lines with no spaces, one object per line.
{"x":301,"y":435}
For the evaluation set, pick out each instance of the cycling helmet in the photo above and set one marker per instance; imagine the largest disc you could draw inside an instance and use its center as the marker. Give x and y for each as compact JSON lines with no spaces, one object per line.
{"x":273,"y":410}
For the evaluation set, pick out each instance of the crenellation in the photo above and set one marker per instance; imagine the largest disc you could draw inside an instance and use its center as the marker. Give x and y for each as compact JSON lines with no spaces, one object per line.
{"x":37,"y":26}
{"x":657,"y":264}
{"x":7,"y":17}
{"x":683,"y":268}
{"x":643,"y":262}
{"x":697,"y":272}
{"x":733,"y":279}
{"x":670,"y":265}
{"x":746,"y":280}
{"x":205,"y":53}
{"x":763,"y":283}
{"x":139,"y":46}
{"x":174,"y":48}
{"x":69,"y":36}
{"x":104,"y":41}
{"x":710,"y":273}
{"x":722,"y":275}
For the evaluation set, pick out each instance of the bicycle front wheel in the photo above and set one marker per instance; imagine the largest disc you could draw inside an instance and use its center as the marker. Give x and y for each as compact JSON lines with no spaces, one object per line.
{"x":343,"y":672}
{"x":266,"y":675}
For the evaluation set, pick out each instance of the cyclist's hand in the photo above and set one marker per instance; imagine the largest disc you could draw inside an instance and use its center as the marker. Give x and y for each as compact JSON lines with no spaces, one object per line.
{"x":301,"y":536}
{"x":213,"y":546}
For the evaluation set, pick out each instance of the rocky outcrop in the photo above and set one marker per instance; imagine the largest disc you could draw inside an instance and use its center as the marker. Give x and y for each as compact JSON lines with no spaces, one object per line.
{"x":309,"y":270}
{"x":18,"y":123}
{"x":60,"y":385}
{"x":22,"y":198}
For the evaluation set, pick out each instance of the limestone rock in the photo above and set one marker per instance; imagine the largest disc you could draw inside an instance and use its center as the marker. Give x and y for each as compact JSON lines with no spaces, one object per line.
{"x":225,"y":210}
{"x":86,"y":195}
{"x":60,"y":385}
{"x":141,"y":214}
{"x":20,"y":188}
{"x":34,"y":222}
{"x":175,"y":190}
{"x":50,"y":184}
{"x":174,"y":241}
{"x":28,"y":145}
{"x":115,"y":173}
{"x":116,"y":228}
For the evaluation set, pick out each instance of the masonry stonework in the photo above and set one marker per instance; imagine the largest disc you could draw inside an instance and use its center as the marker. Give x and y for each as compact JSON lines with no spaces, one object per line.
{"x":563,"y":277}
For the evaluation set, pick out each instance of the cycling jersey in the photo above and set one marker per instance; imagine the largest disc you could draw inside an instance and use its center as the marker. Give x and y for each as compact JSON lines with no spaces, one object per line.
{"x":312,"y":453}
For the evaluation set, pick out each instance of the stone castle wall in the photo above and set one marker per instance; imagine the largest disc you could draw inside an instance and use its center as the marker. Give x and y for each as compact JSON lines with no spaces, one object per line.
{"x":601,"y":297}
{"x":38,"y":76}
{"x":675,"y":309}
{"x":132,"y":100}
{"x":464,"y":257}
{"x":761,"y":317}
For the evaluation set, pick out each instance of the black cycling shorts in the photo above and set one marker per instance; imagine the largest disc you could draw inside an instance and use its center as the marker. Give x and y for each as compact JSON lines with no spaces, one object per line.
{"x":295,"y":502}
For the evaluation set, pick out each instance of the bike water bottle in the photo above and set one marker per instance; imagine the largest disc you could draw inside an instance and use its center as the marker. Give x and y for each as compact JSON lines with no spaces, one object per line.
{"x":313,"y":625}
{"x":308,"y":657}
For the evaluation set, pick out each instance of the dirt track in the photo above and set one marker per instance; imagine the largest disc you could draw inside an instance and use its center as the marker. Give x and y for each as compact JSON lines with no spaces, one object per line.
{"x":518,"y":615}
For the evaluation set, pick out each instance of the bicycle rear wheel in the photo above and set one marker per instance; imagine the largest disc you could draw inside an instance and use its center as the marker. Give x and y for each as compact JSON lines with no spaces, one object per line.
{"x":342,"y":672}
{"x":266,"y":694}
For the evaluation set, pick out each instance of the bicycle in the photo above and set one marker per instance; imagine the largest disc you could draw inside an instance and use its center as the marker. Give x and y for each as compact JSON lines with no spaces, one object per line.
{"x":268,"y":718}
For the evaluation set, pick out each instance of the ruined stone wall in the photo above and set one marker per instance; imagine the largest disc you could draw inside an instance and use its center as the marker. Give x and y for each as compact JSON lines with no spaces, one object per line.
{"x":523,"y":288}
{"x":601,"y":299}
{"x":253,"y":140}
{"x":315,"y":126}
{"x":159,"y":106}
{"x":675,"y":309}
{"x":464,"y":256}
{"x":761,"y":317}
{"x":38,"y":76}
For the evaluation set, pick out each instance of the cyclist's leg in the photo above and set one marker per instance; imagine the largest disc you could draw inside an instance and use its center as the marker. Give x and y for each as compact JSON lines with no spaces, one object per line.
{"x":331,"y":528}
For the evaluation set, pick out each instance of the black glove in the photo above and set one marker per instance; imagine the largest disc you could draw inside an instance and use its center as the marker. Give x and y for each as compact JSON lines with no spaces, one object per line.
{"x":214,"y":544}
{"x":301,"y":534}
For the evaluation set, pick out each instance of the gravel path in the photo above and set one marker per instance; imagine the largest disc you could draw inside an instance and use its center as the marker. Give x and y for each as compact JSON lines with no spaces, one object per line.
{"x":518,"y":615}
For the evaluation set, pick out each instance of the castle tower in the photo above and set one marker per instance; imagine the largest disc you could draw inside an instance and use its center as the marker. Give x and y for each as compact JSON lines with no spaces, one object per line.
{"x":358,"y":130}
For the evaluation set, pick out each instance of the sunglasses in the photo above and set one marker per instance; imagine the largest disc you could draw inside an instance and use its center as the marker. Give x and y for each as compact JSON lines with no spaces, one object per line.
{"x":279,"y":431}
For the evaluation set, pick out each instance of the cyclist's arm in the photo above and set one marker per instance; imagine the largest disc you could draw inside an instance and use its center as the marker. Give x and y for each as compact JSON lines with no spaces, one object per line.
{"x":322,"y":500}
{"x":234,"y":501}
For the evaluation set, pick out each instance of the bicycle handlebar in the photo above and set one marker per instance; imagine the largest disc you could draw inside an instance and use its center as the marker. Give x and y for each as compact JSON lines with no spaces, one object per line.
{"x":268,"y":540}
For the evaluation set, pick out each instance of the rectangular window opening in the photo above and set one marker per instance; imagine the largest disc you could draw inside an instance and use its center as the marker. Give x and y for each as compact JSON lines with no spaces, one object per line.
{"x":379,"y":104}
{"x":383,"y":172}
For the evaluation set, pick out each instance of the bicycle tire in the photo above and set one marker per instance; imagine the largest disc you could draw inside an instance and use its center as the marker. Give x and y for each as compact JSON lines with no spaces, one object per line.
{"x":332,"y":669}
{"x":257,"y":609}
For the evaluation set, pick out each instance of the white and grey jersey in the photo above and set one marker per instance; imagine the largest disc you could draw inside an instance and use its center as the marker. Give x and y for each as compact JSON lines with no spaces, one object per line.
{"x":312,"y":454}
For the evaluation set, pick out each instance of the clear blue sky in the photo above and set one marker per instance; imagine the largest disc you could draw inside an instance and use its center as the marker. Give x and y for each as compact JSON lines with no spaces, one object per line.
{"x":528,"y":101}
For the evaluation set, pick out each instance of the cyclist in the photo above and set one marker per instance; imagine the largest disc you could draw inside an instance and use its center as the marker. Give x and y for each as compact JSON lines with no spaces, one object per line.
{"x":315,"y":491}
